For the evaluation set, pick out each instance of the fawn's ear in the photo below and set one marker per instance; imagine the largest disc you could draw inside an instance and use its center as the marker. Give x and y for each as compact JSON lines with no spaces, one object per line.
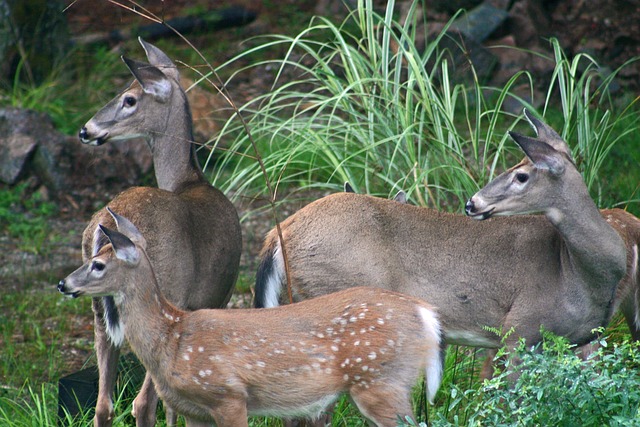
{"x":123,"y":247}
{"x":127,"y":228}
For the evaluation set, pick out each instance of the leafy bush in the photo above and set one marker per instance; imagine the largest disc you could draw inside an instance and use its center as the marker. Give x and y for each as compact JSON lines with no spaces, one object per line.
{"x":551,"y":385}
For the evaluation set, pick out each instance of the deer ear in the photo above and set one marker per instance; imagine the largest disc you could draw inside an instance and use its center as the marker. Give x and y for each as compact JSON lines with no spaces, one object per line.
{"x":547,"y":134}
{"x":160,"y":59}
{"x":123,"y":247}
{"x":152,"y":80}
{"x":127,"y":228}
{"x":543,"y":155}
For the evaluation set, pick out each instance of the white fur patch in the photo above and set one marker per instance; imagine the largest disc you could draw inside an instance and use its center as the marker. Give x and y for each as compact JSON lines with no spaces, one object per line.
{"x":433,"y":370}
{"x":275,"y":279}
{"x":116,"y":334}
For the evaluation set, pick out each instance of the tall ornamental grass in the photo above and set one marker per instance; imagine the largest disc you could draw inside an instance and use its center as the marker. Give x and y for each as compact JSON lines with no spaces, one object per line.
{"x":360,"y":102}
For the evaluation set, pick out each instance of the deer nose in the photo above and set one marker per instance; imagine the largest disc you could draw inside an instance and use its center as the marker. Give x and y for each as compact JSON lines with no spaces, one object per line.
{"x":83,"y":134}
{"x":61,"y":285}
{"x":470,"y":207}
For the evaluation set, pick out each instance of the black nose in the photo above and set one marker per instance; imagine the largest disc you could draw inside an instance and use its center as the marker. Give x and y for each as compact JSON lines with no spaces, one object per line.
{"x":61,"y":286}
{"x":469,"y":207}
{"x":83,"y":134}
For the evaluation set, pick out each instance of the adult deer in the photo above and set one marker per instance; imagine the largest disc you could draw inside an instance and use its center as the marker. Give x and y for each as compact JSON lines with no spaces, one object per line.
{"x":192,"y":229}
{"x":559,"y":270}
{"x":220,"y":365}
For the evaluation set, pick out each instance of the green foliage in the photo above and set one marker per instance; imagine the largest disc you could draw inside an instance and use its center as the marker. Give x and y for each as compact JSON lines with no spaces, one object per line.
{"x":551,"y":385}
{"x":24,"y":216}
{"x":32,"y":323}
{"x":367,"y":106}
{"x":362,"y":112}
{"x":63,"y":94}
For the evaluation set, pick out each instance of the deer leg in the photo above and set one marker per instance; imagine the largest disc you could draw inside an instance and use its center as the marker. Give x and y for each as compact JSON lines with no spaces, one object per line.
{"x":381,"y":404}
{"x":230,"y":413}
{"x":145,"y":404}
{"x":488,"y":367}
{"x":107,"y":355}
{"x":632,"y":317}
{"x":322,"y":421}
{"x":171,"y":416}
{"x":190,"y":422}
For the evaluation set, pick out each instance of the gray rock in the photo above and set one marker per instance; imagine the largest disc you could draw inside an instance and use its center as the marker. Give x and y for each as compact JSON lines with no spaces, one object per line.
{"x":30,"y":146}
{"x":481,"y":22}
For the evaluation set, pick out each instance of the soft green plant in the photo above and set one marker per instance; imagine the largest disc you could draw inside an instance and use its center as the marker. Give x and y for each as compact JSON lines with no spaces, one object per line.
{"x":23,"y":216}
{"x":550,"y":384}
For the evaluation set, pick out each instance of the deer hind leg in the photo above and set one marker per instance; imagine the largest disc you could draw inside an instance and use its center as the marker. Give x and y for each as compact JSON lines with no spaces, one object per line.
{"x":107,"y":355}
{"x":382,"y":404}
{"x":145,"y":404}
{"x":323,"y":420}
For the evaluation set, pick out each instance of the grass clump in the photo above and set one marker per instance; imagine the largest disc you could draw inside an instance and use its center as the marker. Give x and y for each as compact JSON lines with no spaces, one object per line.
{"x":360,"y":102}
{"x":24,"y":216}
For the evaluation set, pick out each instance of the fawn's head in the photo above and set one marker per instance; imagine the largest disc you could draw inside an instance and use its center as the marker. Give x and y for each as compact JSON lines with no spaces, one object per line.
{"x":534,"y":185}
{"x":102,"y":274}
{"x":143,"y":108}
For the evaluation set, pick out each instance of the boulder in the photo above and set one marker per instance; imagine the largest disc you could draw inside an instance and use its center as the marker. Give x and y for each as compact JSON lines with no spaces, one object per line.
{"x":31,"y":147}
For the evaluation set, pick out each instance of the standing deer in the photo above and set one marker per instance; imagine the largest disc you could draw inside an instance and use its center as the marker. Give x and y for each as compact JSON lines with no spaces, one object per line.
{"x":221,"y":365}
{"x":559,"y":270}
{"x":192,"y":229}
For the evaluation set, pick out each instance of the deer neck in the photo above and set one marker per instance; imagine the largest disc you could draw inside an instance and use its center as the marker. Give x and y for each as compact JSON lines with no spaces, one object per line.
{"x":148,"y":317}
{"x":174,"y":152}
{"x":592,"y":248}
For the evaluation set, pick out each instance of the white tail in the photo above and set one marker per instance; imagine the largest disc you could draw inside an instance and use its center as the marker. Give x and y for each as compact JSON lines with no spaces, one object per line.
{"x":186,"y":220}
{"x":221,"y":365}
{"x":559,"y":270}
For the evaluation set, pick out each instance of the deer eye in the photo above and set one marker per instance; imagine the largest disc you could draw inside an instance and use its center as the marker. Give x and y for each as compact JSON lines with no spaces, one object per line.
{"x":97,"y":266}
{"x":129,"y":101}
{"x":522,"y":177}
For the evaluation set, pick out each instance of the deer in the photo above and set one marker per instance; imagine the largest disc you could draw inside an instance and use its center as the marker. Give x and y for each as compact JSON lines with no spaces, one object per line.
{"x":216,"y":365}
{"x":193,"y":231}
{"x":539,"y":254}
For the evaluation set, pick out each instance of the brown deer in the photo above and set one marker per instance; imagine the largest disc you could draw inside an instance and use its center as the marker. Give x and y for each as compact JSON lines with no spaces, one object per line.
{"x":186,"y":220}
{"x":221,"y":365}
{"x":559,"y":270}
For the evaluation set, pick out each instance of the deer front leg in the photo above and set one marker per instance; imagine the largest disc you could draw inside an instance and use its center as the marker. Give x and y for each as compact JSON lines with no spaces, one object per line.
{"x":171,"y":416}
{"x":145,"y":404}
{"x":107,"y":355}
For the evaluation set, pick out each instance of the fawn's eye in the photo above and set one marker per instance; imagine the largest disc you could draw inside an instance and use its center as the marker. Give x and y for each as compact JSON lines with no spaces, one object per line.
{"x":522,"y":177}
{"x":129,"y":101}
{"x":97,"y":266}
